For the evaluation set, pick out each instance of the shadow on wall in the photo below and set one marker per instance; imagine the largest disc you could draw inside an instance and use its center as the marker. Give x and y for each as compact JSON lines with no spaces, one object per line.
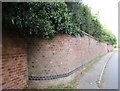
{"x":50,"y":61}
{"x":13,"y":61}
{"x":56,"y":61}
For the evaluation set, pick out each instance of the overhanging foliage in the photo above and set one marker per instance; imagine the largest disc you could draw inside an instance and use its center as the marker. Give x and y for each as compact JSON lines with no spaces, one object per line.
{"x":45,"y":19}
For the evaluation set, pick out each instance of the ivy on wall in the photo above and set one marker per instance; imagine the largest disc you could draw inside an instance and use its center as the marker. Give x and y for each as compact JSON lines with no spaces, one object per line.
{"x":45,"y":19}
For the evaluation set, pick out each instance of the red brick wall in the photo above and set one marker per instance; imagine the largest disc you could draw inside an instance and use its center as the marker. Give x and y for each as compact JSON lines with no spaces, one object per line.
{"x":62,"y":54}
{"x":47,"y":57}
{"x":13,"y":62}
{"x":110,"y":48}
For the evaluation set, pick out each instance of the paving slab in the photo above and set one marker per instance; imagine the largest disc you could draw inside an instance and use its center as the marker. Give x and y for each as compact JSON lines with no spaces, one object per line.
{"x":89,"y":80}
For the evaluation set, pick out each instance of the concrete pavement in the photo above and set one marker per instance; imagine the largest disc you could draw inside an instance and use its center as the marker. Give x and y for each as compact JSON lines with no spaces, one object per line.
{"x":93,"y":78}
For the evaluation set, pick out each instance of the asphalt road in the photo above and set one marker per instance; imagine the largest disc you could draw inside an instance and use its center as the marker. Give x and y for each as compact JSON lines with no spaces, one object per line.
{"x":110,"y":76}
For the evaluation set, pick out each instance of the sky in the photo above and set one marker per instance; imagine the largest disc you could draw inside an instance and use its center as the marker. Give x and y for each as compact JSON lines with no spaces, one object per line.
{"x":108,"y":13}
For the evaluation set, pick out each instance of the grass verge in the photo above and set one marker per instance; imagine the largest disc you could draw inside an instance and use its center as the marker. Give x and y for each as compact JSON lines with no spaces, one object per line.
{"x":91,"y":64}
{"x":86,"y":69}
{"x":70,"y":85}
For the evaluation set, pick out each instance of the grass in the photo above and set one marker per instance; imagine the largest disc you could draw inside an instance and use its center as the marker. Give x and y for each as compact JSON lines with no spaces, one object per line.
{"x":86,"y":69}
{"x":70,"y":85}
{"x":91,"y":64}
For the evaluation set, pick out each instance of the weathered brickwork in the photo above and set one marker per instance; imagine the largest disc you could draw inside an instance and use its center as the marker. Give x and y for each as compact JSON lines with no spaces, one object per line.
{"x":62,"y":54}
{"x":13,"y":63}
{"x":110,"y":48}
{"x":53,"y":58}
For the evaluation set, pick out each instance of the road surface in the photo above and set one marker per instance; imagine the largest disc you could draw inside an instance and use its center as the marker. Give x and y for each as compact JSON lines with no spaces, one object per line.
{"x":110,"y":76}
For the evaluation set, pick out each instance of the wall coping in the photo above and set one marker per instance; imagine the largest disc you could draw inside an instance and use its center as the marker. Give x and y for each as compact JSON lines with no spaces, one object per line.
{"x":94,"y":37}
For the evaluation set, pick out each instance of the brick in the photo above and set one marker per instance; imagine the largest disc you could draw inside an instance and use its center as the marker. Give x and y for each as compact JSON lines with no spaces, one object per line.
{"x":46,"y":57}
{"x":14,"y":54}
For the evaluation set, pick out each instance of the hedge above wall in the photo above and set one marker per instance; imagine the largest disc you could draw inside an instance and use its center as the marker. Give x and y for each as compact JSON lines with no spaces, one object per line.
{"x":89,"y":23}
{"x":45,"y":19}
{"x":41,"y":19}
